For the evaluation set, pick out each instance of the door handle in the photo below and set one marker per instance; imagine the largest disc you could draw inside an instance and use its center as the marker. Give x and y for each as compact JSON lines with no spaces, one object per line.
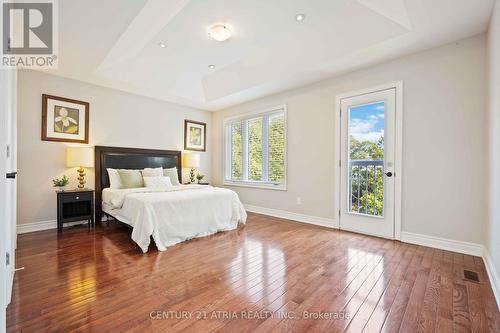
{"x":388,"y":174}
{"x":11,"y":175}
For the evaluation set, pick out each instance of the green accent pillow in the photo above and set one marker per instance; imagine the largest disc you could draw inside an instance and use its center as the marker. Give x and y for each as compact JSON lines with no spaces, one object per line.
{"x":131,"y":178}
{"x":172,"y":174}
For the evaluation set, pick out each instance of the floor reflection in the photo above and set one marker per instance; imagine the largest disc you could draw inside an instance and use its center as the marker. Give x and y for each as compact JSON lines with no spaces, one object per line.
{"x":257,"y":271}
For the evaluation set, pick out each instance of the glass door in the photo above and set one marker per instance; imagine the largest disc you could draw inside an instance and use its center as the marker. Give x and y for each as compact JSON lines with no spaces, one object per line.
{"x":367,"y":163}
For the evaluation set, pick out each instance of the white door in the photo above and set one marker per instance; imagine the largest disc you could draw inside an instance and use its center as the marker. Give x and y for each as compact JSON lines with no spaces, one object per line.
{"x":8,"y":161}
{"x":11,"y":162}
{"x":367,"y":167}
{"x":4,"y":272}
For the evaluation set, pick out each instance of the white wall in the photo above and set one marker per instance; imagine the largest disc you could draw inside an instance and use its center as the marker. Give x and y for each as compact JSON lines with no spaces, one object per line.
{"x":493,"y":233}
{"x":116,"y":119}
{"x":444,"y":159}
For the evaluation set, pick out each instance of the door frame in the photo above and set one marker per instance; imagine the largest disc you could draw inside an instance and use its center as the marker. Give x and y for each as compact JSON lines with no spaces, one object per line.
{"x":398,"y":148}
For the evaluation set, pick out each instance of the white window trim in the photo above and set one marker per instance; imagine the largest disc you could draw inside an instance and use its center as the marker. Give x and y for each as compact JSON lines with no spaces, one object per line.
{"x":226,"y":157}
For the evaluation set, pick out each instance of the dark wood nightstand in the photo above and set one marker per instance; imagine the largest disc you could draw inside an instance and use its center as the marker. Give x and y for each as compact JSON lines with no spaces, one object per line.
{"x":75,"y":205}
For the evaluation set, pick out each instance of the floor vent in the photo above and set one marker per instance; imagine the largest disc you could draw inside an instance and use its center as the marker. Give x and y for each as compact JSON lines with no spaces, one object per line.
{"x":471,"y":276}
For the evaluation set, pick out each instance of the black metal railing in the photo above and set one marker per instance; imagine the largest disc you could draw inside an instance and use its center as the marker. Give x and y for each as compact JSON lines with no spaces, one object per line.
{"x":366,"y":189}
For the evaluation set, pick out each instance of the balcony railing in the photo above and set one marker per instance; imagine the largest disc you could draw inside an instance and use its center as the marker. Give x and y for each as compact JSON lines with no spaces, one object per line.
{"x":366,"y":187}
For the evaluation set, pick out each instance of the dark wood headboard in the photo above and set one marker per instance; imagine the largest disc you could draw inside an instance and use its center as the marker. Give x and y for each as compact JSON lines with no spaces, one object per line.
{"x":129,"y":158}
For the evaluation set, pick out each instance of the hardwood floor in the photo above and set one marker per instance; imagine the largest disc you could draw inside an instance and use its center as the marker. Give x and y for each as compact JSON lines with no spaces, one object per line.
{"x":270,"y":275}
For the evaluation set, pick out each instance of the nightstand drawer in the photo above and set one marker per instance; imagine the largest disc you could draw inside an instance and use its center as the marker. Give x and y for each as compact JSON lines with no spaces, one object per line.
{"x":75,"y":197}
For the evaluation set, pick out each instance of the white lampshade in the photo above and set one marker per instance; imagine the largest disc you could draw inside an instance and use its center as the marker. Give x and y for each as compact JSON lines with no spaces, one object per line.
{"x":192,"y":160}
{"x":80,"y":157}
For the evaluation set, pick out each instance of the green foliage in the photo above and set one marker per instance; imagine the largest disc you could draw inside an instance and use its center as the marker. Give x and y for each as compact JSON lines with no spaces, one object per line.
{"x":366,"y":150}
{"x":276,"y":163}
{"x":255,"y":149}
{"x":60,"y":182}
{"x":367,"y":189}
{"x":277,"y":149}
{"x":236,"y":151}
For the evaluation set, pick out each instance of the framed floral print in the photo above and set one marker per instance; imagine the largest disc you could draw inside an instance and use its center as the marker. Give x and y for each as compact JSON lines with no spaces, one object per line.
{"x":194,"y":135}
{"x":64,"y":119}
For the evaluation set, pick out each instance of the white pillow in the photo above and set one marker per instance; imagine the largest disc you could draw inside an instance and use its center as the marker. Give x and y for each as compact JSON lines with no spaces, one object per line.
{"x":157,"y":182}
{"x":172,"y":174}
{"x":114,"y":179}
{"x":152,"y":172}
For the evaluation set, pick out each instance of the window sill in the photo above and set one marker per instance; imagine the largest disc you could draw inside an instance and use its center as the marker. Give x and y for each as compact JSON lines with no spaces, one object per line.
{"x":267,"y":186}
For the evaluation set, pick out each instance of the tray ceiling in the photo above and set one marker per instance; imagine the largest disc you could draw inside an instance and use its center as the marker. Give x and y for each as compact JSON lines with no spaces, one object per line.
{"x":115,"y":43}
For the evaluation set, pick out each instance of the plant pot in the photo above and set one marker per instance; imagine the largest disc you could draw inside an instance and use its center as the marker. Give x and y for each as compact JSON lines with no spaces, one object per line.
{"x":61,"y":188}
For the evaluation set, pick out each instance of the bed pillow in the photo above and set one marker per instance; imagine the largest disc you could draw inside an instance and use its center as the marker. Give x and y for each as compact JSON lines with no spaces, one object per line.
{"x":173,"y":175}
{"x":131,"y":178}
{"x":114,"y":179}
{"x":152,"y":172}
{"x":157,"y":182}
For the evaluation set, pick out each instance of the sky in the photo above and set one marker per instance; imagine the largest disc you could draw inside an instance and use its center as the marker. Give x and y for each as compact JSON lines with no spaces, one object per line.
{"x":367,"y":122}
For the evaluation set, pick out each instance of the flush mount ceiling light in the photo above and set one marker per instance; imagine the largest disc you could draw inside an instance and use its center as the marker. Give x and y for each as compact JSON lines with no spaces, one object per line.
{"x":162,"y":45}
{"x":300,"y":17}
{"x":219,"y":32}
{"x":211,"y":66}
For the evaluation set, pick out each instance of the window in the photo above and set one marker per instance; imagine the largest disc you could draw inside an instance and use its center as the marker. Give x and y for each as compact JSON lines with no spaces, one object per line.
{"x":255,"y":153}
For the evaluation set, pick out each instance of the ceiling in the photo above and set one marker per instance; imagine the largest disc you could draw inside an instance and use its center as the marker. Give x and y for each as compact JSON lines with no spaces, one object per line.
{"x":114,"y":43}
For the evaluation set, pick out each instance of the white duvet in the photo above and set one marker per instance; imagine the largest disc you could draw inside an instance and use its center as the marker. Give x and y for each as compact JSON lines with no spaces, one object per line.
{"x":175,"y":214}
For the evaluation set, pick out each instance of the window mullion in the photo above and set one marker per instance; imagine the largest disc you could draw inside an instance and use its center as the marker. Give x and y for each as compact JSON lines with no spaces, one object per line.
{"x":265,"y":148}
{"x":245,"y":149}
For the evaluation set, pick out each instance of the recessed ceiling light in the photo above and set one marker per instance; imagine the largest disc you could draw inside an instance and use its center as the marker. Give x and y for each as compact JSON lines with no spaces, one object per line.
{"x":300,"y":17}
{"x":211,"y":66}
{"x":162,"y":45}
{"x":219,"y":32}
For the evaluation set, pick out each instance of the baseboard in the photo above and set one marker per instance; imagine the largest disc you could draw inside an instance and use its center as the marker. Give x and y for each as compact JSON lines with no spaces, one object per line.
{"x":42,"y":225}
{"x":443,"y":243}
{"x":493,"y":275}
{"x":407,"y":237}
{"x":321,"y":221}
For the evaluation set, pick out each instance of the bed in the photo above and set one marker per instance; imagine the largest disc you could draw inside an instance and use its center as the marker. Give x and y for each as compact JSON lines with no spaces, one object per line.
{"x":168,"y":215}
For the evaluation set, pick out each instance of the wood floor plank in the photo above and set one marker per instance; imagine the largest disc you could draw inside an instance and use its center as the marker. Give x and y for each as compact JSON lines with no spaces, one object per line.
{"x":384,"y":305}
{"x":427,"y":319}
{"x":262,"y":277}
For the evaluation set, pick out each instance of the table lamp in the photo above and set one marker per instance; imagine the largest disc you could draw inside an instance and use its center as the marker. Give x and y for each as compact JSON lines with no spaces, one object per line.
{"x":81,"y":157}
{"x":192,"y":161}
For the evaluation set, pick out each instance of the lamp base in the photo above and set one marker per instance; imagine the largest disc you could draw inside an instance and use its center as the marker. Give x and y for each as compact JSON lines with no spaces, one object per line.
{"x":191,"y":176}
{"x":81,"y":178}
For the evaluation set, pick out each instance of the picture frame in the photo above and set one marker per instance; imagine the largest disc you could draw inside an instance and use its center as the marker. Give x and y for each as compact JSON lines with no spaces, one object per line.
{"x":64,"y":119}
{"x":195,"y":135}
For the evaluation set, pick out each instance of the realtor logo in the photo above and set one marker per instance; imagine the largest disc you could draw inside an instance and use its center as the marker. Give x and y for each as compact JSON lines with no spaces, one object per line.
{"x":29,"y":34}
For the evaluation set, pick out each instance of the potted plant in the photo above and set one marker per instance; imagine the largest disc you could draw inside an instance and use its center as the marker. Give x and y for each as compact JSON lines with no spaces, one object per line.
{"x":61,"y":183}
{"x":199,"y":177}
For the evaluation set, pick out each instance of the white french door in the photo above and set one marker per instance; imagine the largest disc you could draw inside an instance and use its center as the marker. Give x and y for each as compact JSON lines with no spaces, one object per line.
{"x":367,"y":166}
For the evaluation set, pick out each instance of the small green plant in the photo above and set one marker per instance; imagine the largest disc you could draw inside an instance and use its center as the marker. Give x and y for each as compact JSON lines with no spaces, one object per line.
{"x":200,"y":177}
{"x":60,"y":182}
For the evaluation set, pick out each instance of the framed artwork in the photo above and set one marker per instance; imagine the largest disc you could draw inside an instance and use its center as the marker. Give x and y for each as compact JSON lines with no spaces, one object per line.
{"x":64,"y":119}
{"x":195,"y":135}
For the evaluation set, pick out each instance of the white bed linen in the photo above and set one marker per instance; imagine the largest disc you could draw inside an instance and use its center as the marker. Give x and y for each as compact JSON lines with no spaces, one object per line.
{"x":174,"y":214}
{"x":116,"y":213}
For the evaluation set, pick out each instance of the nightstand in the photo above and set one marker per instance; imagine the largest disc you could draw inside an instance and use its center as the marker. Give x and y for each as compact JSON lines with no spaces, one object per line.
{"x":75,"y":205}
